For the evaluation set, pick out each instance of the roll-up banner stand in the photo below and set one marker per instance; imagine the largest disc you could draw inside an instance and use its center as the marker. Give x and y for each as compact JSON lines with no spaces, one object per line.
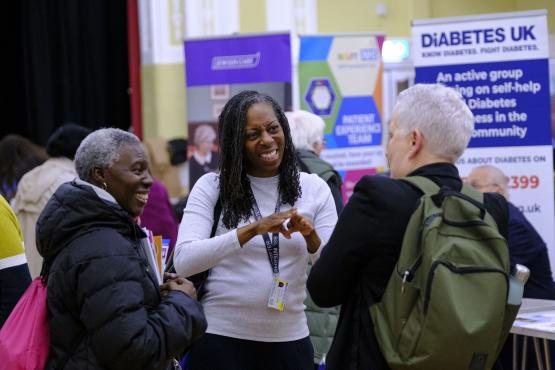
{"x":218,"y":68}
{"x":340,"y":79}
{"x":499,"y":63}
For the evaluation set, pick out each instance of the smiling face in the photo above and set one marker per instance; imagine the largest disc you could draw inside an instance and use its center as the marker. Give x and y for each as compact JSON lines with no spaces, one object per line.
{"x":264,"y":141}
{"x":128,"y":180}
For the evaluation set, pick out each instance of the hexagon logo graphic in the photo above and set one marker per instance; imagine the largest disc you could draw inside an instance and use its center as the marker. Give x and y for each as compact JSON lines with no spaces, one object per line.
{"x":320,"y":96}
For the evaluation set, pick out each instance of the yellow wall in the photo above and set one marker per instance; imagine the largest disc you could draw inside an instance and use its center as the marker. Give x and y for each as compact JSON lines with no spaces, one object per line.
{"x":540,"y":4}
{"x":163,"y":101}
{"x":252,"y":16}
{"x":360,"y":15}
{"x":452,"y":8}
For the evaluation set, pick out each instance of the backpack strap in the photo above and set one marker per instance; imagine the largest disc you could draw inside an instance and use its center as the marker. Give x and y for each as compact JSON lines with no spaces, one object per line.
{"x":428,"y":187}
{"x":425,"y":185}
{"x":472,"y":193}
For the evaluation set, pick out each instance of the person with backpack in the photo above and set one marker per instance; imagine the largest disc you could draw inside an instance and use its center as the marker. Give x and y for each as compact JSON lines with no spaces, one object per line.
{"x":430,"y":129}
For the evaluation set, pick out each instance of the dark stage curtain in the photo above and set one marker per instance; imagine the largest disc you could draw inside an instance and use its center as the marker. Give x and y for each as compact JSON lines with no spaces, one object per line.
{"x":73,"y":66}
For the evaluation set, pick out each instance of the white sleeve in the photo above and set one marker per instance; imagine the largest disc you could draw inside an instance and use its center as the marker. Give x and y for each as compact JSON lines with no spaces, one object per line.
{"x":195,"y":251}
{"x":325,"y":215}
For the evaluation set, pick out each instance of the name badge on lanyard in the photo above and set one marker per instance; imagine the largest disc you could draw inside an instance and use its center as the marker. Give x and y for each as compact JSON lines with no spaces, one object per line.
{"x":276,"y":300}
{"x":277,"y":294}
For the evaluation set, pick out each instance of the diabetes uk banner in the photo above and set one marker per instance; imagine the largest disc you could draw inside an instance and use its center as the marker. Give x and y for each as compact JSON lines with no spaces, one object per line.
{"x":499,"y":63}
{"x":340,"y":79}
{"x":218,"y":68}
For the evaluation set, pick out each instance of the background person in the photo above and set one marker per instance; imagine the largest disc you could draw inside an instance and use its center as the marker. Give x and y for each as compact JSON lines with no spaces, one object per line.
{"x":37,"y":186}
{"x":104,"y":299}
{"x":14,"y":274}
{"x":203,"y":160}
{"x":19,"y":156}
{"x":260,"y":188}
{"x":526,"y":246}
{"x":307,"y":132}
{"x":430,"y":129}
{"x":158,"y":215}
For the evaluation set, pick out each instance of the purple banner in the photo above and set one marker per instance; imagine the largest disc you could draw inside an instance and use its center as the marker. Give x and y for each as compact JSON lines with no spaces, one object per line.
{"x":243,"y":59}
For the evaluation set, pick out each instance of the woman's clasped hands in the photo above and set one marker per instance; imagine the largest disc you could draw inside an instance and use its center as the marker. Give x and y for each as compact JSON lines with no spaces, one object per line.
{"x":285,"y":223}
{"x":176,"y":282}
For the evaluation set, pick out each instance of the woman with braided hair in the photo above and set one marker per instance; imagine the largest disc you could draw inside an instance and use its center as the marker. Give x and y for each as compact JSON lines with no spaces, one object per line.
{"x":272,"y":219}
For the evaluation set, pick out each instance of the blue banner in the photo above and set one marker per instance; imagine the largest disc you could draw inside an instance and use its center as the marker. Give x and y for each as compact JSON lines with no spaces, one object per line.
{"x":499,"y":64}
{"x":508,"y":99}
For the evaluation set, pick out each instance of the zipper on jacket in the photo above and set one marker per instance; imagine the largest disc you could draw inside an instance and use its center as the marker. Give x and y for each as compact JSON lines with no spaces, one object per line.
{"x":457,"y":270}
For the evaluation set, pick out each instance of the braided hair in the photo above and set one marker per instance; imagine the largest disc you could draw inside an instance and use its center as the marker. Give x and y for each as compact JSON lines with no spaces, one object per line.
{"x":234,"y":183}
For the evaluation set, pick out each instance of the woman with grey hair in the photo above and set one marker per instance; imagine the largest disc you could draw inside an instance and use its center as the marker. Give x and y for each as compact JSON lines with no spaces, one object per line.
{"x":107,"y":309}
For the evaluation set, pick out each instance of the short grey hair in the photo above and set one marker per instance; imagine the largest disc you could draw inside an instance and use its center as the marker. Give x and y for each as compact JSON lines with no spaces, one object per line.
{"x":495,"y":176}
{"x":204,"y":134}
{"x":307,"y":129}
{"x":101,"y":149}
{"x":440,"y":113}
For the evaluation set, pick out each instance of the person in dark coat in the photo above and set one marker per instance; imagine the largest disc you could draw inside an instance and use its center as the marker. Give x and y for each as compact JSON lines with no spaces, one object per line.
{"x":107,"y":309}
{"x":526,"y":247}
{"x":430,"y":129}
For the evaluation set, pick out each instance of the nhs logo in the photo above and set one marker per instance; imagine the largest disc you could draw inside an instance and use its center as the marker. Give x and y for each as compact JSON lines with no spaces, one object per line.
{"x":369,"y":54}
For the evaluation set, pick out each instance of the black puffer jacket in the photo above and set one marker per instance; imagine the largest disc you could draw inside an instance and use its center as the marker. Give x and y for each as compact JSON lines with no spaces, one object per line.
{"x":105,"y":304}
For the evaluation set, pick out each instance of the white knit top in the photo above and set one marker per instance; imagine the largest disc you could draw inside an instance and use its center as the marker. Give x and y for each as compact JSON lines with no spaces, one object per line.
{"x":241,"y":278}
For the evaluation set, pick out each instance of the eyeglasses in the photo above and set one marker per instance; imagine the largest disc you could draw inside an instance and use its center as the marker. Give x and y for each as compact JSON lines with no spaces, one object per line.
{"x":482,"y":186}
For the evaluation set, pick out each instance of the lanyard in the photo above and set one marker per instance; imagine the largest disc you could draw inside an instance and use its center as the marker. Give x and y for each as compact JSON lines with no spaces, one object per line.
{"x":272,"y":247}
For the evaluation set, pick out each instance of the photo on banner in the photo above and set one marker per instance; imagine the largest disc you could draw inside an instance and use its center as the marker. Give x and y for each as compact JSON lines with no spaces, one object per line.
{"x":499,"y":64}
{"x":340,"y":79}
{"x":218,"y":68}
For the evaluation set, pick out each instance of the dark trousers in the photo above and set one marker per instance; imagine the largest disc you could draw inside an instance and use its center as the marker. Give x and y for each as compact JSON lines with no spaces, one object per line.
{"x":216,"y":352}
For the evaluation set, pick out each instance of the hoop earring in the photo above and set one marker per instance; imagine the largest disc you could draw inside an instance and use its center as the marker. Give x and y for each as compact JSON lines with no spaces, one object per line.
{"x":104,"y":186}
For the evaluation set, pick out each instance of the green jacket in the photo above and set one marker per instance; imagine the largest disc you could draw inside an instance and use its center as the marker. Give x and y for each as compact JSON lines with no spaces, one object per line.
{"x":309,"y":162}
{"x":321,"y":324}
{"x":321,"y":321}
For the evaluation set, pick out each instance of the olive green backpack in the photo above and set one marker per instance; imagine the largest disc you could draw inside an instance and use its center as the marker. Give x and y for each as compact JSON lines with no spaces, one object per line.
{"x":445,"y":305}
